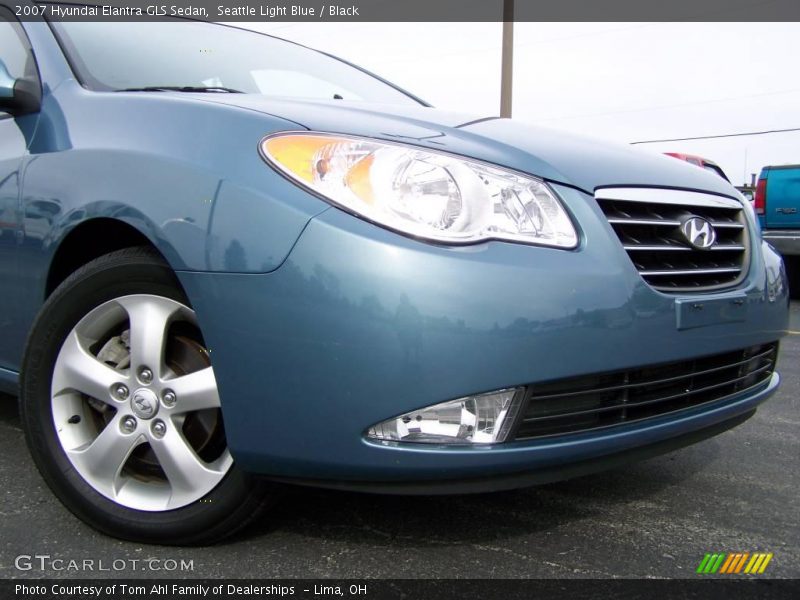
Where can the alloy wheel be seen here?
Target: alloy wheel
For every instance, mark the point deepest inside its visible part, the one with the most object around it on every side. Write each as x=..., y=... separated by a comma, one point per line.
x=135, y=404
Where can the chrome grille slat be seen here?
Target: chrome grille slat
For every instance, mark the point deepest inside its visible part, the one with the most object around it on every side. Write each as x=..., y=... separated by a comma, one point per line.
x=668, y=248
x=718, y=225
x=604, y=400
x=653, y=222
x=672, y=273
x=664, y=223
x=668, y=196
x=647, y=222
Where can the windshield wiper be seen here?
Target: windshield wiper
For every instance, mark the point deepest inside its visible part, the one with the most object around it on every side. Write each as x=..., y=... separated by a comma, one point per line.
x=183, y=88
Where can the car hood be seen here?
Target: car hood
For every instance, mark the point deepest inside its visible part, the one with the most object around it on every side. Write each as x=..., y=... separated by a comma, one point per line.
x=553, y=155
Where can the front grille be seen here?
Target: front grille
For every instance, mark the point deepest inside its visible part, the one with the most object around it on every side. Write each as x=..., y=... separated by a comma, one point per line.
x=593, y=401
x=648, y=223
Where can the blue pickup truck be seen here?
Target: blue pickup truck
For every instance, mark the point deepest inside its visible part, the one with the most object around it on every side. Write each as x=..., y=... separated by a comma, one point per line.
x=777, y=205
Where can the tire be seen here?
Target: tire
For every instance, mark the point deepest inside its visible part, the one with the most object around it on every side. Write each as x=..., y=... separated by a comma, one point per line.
x=793, y=274
x=120, y=408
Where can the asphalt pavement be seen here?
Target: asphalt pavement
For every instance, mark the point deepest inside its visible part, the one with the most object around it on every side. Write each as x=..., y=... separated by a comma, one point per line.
x=737, y=492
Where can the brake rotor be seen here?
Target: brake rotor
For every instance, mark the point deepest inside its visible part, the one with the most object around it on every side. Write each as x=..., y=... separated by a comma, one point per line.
x=202, y=429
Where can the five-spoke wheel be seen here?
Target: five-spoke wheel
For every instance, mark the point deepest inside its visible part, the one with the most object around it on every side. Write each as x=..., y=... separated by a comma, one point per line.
x=134, y=419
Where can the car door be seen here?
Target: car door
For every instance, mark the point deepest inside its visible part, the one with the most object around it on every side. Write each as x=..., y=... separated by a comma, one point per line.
x=15, y=133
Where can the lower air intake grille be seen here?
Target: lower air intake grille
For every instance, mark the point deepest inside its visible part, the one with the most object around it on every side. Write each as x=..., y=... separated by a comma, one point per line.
x=679, y=241
x=594, y=401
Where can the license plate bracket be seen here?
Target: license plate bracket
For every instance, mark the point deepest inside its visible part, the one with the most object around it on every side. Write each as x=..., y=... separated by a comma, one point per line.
x=702, y=312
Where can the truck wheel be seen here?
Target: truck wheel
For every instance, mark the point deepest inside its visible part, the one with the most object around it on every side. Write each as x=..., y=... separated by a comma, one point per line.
x=121, y=412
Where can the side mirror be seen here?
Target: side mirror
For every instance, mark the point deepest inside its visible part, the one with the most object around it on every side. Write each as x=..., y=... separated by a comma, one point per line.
x=18, y=96
x=6, y=83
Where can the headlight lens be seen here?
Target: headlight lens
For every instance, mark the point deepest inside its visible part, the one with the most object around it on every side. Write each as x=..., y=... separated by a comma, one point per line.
x=480, y=419
x=425, y=194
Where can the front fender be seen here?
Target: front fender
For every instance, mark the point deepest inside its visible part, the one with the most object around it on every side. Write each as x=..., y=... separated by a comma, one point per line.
x=186, y=174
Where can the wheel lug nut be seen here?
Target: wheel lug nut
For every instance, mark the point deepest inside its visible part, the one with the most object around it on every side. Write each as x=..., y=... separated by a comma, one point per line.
x=169, y=398
x=128, y=424
x=159, y=428
x=121, y=391
x=145, y=375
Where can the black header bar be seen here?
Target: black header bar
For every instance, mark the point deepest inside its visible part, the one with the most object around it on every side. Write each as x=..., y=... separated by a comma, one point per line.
x=412, y=10
x=380, y=589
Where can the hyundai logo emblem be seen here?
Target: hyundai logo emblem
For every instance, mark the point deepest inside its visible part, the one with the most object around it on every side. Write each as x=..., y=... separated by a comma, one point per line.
x=699, y=233
x=144, y=403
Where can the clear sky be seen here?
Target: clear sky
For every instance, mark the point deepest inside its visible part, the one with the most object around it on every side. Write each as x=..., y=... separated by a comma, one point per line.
x=623, y=81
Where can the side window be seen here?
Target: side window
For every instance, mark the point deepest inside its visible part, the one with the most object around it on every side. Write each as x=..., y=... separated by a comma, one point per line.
x=13, y=50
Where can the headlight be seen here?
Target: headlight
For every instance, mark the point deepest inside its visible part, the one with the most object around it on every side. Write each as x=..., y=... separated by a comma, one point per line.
x=481, y=419
x=422, y=193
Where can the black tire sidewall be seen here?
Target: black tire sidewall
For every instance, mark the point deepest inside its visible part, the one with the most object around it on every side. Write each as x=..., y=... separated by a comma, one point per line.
x=92, y=286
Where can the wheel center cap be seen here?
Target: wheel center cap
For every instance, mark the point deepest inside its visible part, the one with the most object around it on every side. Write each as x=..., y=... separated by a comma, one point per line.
x=144, y=403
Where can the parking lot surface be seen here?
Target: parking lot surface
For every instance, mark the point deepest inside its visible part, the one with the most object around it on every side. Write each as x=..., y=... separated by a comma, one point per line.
x=737, y=492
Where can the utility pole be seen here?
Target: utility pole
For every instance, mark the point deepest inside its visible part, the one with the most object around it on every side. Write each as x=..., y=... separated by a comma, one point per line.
x=507, y=67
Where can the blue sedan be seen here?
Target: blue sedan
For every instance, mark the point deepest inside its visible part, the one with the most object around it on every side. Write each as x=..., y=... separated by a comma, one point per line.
x=228, y=261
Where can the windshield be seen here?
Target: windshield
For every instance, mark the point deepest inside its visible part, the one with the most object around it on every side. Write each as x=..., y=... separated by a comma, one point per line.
x=198, y=56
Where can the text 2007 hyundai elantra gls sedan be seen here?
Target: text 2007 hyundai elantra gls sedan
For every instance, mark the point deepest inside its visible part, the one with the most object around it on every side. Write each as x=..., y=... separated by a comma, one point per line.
x=393, y=298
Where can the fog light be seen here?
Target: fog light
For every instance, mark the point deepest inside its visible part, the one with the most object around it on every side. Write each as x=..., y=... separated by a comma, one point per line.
x=481, y=419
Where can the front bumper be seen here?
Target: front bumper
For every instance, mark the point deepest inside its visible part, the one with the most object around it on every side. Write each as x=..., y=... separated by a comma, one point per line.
x=361, y=324
x=540, y=473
